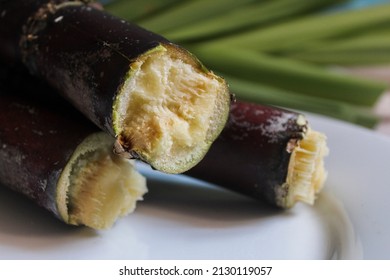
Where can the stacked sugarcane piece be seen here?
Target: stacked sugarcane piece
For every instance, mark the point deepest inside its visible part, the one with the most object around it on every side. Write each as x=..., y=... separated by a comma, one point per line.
x=104, y=67
x=283, y=52
x=50, y=153
x=138, y=97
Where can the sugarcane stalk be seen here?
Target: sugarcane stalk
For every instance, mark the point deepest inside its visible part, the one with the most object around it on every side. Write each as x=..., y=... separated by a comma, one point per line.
x=245, y=17
x=264, y=152
x=51, y=154
x=255, y=92
x=138, y=9
x=269, y=154
x=291, y=75
x=350, y=59
x=297, y=33
x=160, y=103
x=188, y=12
x=367, y=49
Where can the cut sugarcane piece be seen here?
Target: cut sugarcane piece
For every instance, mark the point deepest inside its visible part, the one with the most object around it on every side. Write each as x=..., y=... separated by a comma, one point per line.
x=97, y=187
x=267, y=153
x=150, y=94
x=54, y=156
x=172, y=109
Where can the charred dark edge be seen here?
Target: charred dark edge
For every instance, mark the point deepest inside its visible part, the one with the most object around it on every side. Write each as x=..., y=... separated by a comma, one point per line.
x=37, y=137
x=248, y=160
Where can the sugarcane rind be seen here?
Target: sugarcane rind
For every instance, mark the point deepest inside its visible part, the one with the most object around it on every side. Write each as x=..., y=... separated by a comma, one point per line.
x=169, y=109
x=96, y=187
x=36, y=23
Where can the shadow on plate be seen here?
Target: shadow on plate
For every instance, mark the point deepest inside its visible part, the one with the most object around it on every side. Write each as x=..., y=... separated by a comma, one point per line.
x=20, y=216
x=171, y=194
x=196, y=199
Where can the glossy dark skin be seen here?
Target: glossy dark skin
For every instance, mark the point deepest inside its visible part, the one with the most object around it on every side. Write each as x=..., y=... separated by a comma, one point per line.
x=250, y=156
x=87, y=65
x=246, y=157
x=83, y=52
x=88, y=55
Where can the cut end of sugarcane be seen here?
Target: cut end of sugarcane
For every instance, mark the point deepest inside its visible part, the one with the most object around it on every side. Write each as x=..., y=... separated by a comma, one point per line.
x=169, y=110
x=97, y=187
x=306, y=171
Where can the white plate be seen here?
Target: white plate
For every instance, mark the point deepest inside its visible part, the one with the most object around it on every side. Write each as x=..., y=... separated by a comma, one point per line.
x=186, y=219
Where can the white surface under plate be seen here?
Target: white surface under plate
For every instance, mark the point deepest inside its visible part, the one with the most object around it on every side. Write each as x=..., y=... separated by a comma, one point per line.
x=185, y=219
